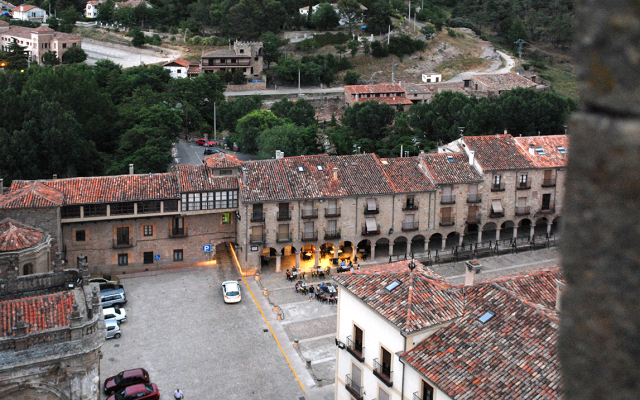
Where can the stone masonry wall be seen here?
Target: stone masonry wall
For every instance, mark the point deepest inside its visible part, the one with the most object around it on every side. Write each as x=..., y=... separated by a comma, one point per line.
x=247, y=86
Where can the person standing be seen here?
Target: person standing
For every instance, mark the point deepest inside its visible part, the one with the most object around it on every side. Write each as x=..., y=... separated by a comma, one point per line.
x=311, y=290
x=178, y=395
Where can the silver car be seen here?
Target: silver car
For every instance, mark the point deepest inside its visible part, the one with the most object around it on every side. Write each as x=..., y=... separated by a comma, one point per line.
x=113, y=329
x=115, y=313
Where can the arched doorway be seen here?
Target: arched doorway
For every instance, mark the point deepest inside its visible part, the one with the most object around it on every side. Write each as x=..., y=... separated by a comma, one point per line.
x=400, y=246
x=524, y=228
x=470, y=234
x=327, y=253
x=506, y=230
x=453, y=239
x=489, y=232
x=435, y=242
x=288, y=257
x=556, y=226
x=417, y=244
x=382, y=248
x=307, y=257
x=541, y=227
x=268, y=259
x=364, y=250
x=345, y=250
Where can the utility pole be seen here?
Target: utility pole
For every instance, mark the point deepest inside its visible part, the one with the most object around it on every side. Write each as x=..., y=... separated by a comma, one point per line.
x=299, y=91
x=389, y=35
x=393, y=70
x=215, y=132
x=520, y=42
x=409, y=11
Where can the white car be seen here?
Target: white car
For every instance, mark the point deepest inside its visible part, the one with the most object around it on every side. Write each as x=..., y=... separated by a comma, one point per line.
x=113, y=329
x=231, y=292
x=115, y=314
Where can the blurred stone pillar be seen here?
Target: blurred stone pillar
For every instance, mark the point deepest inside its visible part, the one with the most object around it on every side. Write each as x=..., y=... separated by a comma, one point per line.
x=599, y=344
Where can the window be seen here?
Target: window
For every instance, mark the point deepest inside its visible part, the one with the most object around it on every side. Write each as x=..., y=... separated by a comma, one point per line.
x=122, y=236
x=80, y=236
x=226, y=172
x=148, y=230
x=523, y=179
x=496, y=179
x=123, y=259
x=177, y=227
x=193, y=201
x=539, y=151
x=209, y=200
x=146, y=207
x=332, y=227
x=382, y=395
x=122, y=208
x=546, y=201
x=179, y=71
x=393, y=285
x=95, y=210
x=27, y=269
x=427, y=391
x=562, y=150
x=177, y=255
x=148, y=257
x=410, y=201
x=486, y=316
x=170, y=205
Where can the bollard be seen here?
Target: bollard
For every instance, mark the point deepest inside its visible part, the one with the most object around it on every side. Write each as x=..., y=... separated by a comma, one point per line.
x=257, y=276
x=295, y=343
x=266, y=292
x=308, y=363
x=279, y=317
x=275, y=309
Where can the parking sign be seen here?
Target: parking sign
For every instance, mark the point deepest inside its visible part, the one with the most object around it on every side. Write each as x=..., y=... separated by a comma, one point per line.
x=157, y=257
x=206, y=248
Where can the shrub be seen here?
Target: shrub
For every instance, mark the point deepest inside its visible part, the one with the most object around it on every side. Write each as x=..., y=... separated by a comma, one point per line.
x=379, y=49
x=351, y=78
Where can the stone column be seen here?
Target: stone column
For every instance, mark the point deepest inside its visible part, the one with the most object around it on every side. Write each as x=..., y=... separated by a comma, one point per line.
x=479, y=235
x=548, y=229
x=532, y=231
x=515, y=231
x=600, y=324
x=373, y=251
x=497, y=233
x=461, y=239
x=444, y=242
x=426, y=245
x=298, y=259
x=317, y=256
x=278, y=263
x=390, y=249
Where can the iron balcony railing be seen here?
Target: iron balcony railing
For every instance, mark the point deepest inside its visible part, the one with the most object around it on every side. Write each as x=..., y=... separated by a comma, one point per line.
x=332, y=234
x=122, y=243
x=259, y=238
x=282, y=237
x=410, y=226
x=383, y=372
x=495, y=214
x=283, y=215
x=548, y=210
x=366, y=231
x=549, y=182
x=450, y=199
x=355, y=349
x=416, y=396
x=524, y=185
x=332, y=212
x=310, y=213
x=497, y=187
x=523, y=210
x=367, y=211
x=447, y=221
x=352, y=387
x=474, y=198
x=309, y=236
x=257, y=216
x=410, y=207
x=178, y=232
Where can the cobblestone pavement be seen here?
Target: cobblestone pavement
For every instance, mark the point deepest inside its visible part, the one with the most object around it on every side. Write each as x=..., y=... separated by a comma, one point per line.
x=313, y=324
x=180, y=330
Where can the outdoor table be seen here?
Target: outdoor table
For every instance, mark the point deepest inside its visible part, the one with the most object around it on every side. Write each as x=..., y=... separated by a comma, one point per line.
x=331, y=289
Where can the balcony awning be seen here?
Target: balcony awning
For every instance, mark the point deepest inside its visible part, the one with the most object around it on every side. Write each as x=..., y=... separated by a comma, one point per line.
x=371, y=225
x=371, y=204
x=496, y=206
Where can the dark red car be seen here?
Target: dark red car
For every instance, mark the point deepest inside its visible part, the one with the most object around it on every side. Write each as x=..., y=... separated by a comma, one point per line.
x=124, y=379
x=201, y=142
x=142, y=391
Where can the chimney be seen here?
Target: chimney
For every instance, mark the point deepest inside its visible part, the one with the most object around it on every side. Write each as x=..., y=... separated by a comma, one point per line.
x=130, y=169
x=55, y=176
x=279, y=155
x=531, y=149
x=473, y=268
x=244, y=176
x=534, y=77
x=472, y=156
x=335, y=173
x=421, y=151
x=559, y=290
x=21, y=8
x=400, y=83
x=505, y=131
x=1, y=186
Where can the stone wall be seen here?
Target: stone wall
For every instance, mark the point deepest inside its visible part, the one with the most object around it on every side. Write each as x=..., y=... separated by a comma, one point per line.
x=599, y=344
x=247, y=86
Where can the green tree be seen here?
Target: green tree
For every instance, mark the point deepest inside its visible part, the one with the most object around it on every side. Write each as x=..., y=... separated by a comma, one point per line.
x=250, y=126
x=341, y=49
x=369, y=122
x=50, y=58
x=106, y=12
x=516, y=31
x=428, y=31
x=378, y=20
x=16, y=57
x=239, y=77
x=353, y=45
x=350, y=12
x=351, y=78
x=125, y=15
x=54, y=23
x=74, y=55
x=366, y=47
x=271, y=47
x=300, y=112
x=137, y=37
x=292, y=139
x=325, y=17
x=68, y=19
x=379, y=49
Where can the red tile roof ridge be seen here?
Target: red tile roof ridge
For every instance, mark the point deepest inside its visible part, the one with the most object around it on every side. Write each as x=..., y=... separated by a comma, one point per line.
x=409, y=303
x=521, y=275
x=31, y=194
x=15, y=235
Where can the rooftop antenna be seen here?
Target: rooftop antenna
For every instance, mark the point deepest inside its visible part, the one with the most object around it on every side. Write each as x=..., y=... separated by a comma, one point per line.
x=520, y=43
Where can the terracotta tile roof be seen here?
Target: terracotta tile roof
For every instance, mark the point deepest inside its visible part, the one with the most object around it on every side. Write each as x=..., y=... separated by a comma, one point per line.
x=179, y=61
x=225, y=53
x=43, y=29
x=388, y=100
x=193, y=69
x=507, y=81
x=272, y=180
x=222, y=160
x=32, y=195
x=405, y=175
x=23, y=7
x=132, y=3
x=445, y=172
x=197, y=178
x=412, y=88
x=379, y=88
x=552, y=157
x=497, y=152
x=39, y=312
x=4, y=23
x=25, y=33
x=438, y=87
x=65, y=36
x=110, y=189
x=510, y=356
x=422, y=298
x=17, y=236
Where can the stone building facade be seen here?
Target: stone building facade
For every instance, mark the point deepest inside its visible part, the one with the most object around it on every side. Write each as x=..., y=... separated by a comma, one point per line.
x=50, y=343
x=245, y=55
x=38, y=41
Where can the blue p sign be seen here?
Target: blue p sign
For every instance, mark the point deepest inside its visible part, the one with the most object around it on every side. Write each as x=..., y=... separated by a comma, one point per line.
x=206, y=248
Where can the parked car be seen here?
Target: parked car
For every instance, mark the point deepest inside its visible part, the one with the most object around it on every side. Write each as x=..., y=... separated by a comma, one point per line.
x=201, y=142
x=103, y=279
x=231, y=292
x=113, y=329
x=141, y=391
x=112, y=297
x=210, y=144
x=124, y=379
x=115, y=313
x=211, y=150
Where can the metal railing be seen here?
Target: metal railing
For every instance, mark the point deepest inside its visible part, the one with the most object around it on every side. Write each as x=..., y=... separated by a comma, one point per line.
x=332, y=212
x=447, y=221
x=474, y=198
x=121, y=244
x=497, y=187
x=410, y=207
x=283, y=215
x=309, y=236
x=416, y=397
x=178, y=232
x=366, y=231
x=410, y=226
x=284, y=237
x=549, y=210
x=310, y=213
x=524, y=185
x=355, y=349
x=367, y=211
x=523, y=210
x=494, y=214
x=333, y=234
x=549, y=182
x=352, y=387
x=383, y=372
x=257, y=216
x=451, y=199
x=259, y=238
